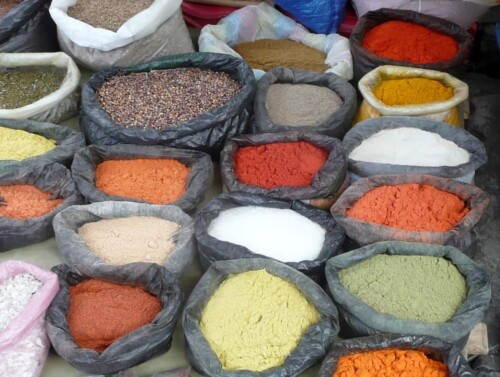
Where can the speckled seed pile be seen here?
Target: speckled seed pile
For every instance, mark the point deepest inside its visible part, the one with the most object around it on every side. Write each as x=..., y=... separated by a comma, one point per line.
x=159, y=99
x=6, y=5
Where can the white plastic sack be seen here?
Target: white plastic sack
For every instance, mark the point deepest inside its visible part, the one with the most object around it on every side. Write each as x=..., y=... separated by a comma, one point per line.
x=57, y=106
x=264, y=22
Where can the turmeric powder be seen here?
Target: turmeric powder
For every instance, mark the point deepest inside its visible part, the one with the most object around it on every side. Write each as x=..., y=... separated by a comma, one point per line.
x=390, y=363
x=412, y=91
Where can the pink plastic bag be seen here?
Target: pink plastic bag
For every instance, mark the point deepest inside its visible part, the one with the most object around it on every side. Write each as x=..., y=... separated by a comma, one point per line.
x=24, y=344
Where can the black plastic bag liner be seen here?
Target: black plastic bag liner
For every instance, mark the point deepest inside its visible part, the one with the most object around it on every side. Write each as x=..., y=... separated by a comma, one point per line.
x=77, y=253
x=365, y=60
x=335, y=125
x=326, y=183
x=28, y=27
x=53, y=178
x=87, y=159
x=206, y=132
x=434, y=348
x=460, y=137
x=212, y=250
x=360, y=319
x=131, y=349
x=365, y=233
x=311, y=348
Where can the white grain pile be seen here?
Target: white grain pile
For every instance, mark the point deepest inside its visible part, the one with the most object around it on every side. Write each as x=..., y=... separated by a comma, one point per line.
x=280, y=234
x=410, y=146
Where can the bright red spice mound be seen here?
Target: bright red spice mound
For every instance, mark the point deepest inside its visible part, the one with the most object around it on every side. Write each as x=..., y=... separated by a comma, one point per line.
x=409, y=42
x=279, y=164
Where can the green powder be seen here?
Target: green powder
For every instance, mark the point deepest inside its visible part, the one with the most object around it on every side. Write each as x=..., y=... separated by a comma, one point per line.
x=422, y=288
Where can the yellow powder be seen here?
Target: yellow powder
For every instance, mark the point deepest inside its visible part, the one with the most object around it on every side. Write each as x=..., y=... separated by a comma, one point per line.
x=412, y=91
x=19, y=145
x=254, y=320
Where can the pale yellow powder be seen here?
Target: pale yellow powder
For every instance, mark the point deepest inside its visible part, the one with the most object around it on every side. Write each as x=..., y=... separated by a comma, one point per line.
x=19, y=145
x=255, y=320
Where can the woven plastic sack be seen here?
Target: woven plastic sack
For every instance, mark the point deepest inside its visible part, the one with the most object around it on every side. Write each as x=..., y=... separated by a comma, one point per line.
x=365, y=60
x=311, y=348
x=206, y=132
x=264, y=22
x=450, y=111
x=335, y=125
x=197, y=186
x=132, y=349
x=211, y=249
x=24, y=344
x=77, y=253
x=53, y=178
x=434, y=348
x=365, y=233
x=463, y=139
x=155, y=32
x=359, y=319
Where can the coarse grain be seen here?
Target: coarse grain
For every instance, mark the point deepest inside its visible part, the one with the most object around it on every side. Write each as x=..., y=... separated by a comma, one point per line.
x=7, y=5
x=19, y=145
x=163, y=98
x=25, y=202
x=107, y=14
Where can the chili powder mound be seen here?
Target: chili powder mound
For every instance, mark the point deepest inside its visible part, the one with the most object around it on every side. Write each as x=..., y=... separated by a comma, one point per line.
x=101, y=312
x=279, y=164
x=410, y=206
x=409, y=42
x=156, y=180
x=22, y=202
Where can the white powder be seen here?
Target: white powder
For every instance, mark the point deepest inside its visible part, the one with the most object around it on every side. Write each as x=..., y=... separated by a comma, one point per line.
x=410, y=146
x=281, y=234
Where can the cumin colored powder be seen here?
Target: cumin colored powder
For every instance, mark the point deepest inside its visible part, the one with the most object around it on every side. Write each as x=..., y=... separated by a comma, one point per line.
x=412, y=91
x=19, y=145
x=255, y=320
x=410, y=206
x=22, y=202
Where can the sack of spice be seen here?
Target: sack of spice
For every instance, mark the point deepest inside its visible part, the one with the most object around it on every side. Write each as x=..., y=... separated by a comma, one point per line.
x=238, y=225
x=30, y=197
x=289, y=100
x=119, y=233
x=412, y=208
x=114, y=318
x=144, y=174
x=26, y=26
x=258, y=317
x=415, y=355
x=40, y=87
x=268, y=39
x=406, y=91
x=199, y=100
x=404, y=145
x=286, y=165
x=101, y=34
x=407, y=38
x=26, y=292
x=408, y=288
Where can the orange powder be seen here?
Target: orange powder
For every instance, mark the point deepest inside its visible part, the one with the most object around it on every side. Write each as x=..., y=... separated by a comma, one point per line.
x=25, y=202
x=410, y=206
x=390, y=363
x=156, y=180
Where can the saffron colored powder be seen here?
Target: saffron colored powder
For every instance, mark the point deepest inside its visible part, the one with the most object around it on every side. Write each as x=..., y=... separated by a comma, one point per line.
x=25, y=202
x=279, y=164
x=410, y=206
x=409, y=42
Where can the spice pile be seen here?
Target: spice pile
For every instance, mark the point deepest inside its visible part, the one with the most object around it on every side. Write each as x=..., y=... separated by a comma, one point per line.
x=19, y=145
x=254, y=320
x=155, y=180
x=414, y=287
x=301, y=104
x=281, y=234
x=279, y=164
x=412, y=91
x=7, y=5
x=159, y=99
x=22, y=202
x=266, y=54
x=130, y=239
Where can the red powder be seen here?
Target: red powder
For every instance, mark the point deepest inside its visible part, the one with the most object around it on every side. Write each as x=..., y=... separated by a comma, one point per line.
x=25, y=202
x=409, y=42
x=410, y=206
x=101, y=312
x=279, y=164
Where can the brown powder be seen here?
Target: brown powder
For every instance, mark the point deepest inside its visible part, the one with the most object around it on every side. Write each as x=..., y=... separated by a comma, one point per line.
x=25, y=202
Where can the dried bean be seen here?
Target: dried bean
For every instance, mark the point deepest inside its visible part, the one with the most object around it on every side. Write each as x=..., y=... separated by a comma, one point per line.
x=7, y=5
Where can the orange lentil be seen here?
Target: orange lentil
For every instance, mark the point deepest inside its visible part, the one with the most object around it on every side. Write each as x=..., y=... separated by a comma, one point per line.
x=25, y=202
